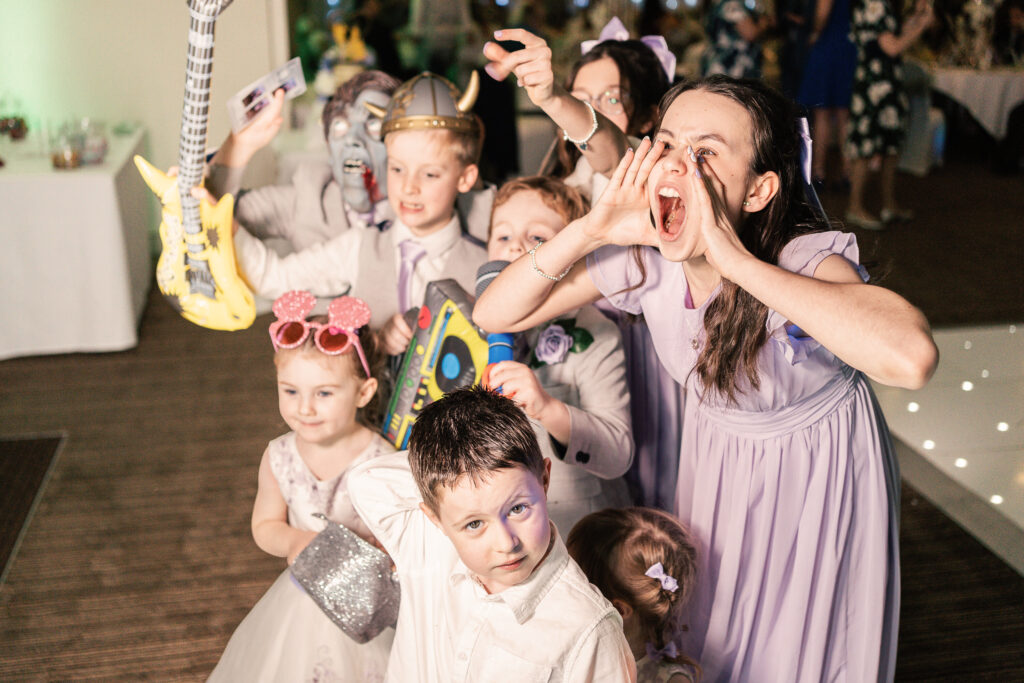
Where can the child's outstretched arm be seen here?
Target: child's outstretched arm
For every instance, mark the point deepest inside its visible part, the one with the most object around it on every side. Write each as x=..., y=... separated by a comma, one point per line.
x=521, y=297
x=532, y=67
x=270, y=526
x=325, y=269
x=237, y=150
x=869, y=328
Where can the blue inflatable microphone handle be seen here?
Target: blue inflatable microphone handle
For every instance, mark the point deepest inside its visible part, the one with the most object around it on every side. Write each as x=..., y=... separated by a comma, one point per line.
x=499, y=347
x=499, y=344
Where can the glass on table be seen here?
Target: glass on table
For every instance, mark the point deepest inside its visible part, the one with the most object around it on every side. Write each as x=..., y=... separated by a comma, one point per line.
x=66, y=145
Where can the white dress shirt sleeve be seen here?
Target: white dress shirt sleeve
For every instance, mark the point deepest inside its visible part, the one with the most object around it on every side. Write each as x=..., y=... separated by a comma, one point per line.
x=602, y=656
x=387, y=499
x=268, y=211
x=326, y=269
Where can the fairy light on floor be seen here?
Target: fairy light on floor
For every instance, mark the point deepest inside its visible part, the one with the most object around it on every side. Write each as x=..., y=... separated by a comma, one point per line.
x=1003, y=427
x=967, y=385
x=960, y=462
x=913, y=407
x=928, y=445
x=996, y=499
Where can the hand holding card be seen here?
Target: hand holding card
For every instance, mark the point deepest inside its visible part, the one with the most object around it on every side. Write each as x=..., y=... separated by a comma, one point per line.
x=253, y=98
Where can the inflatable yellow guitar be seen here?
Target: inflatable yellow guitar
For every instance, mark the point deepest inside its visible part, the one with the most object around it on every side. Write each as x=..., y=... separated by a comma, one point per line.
x=196, y=271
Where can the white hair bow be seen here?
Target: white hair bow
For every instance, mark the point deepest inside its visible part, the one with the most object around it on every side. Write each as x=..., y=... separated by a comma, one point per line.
x=657, y=571
x=616, y=30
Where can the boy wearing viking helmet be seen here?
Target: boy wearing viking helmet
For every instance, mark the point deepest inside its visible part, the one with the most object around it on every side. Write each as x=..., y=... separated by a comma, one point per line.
x=433, y=144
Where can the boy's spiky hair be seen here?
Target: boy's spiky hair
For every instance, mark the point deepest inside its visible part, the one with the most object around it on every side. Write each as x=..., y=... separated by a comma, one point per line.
x=470, y=432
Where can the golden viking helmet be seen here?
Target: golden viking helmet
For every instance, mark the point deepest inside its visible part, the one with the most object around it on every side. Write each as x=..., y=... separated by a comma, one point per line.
x=430, y=102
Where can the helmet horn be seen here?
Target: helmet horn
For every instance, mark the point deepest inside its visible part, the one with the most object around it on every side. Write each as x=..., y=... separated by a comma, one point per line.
x=379, y=112
x=468, y=98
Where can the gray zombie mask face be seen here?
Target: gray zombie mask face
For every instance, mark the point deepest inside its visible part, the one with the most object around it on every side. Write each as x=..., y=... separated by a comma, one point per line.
x=358, y=155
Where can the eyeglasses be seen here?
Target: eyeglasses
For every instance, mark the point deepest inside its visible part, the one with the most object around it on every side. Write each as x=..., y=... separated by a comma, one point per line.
x=345, y=316
x=611, y=102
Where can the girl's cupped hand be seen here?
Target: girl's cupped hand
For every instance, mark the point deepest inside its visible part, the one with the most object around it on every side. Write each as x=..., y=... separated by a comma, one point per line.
x=623, y=213
x=724, y=248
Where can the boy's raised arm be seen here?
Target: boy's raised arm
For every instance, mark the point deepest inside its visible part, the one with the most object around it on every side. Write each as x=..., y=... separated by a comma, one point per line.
x=386, y=498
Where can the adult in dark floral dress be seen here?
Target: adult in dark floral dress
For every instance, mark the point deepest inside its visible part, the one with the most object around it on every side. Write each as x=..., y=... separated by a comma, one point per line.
x=734, y=29
x=878, y=105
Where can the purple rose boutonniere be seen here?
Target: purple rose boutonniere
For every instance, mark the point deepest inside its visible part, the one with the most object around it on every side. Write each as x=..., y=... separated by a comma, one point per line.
x=557, y=340
x=552, y=345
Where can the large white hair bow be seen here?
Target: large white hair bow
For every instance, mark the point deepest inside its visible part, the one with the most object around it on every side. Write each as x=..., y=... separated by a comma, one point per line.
x=616, y=30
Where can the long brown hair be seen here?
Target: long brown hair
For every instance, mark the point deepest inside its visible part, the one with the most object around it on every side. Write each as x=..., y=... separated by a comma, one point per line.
x=616, y=547
x=735, y=321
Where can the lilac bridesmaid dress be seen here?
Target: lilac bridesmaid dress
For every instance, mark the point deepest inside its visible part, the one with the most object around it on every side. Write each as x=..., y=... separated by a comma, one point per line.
x=792, y=494
x=656, y=407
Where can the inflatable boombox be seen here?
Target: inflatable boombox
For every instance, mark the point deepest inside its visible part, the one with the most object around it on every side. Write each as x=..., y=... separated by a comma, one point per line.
x=446, y=352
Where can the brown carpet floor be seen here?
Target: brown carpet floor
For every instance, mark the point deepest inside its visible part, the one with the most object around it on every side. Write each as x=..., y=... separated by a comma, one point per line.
x=960, y=259
x=139, y=563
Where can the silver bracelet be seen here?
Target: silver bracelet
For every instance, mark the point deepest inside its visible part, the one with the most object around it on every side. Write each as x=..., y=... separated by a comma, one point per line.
x=582, y=143
x=536, y=269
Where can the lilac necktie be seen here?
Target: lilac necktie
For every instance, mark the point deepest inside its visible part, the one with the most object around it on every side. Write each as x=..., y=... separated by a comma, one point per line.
x=412, y=252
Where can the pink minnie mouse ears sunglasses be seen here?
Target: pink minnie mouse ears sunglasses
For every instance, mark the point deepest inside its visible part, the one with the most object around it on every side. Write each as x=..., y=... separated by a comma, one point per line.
x=345, y=316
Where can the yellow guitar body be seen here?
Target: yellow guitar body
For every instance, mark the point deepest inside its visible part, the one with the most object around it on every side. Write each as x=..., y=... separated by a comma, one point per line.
x=232, y=306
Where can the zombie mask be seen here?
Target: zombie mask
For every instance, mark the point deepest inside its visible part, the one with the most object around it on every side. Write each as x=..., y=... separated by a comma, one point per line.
x=358, y=156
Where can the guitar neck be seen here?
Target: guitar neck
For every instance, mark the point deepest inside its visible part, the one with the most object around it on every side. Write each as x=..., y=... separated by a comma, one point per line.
x=196, y=108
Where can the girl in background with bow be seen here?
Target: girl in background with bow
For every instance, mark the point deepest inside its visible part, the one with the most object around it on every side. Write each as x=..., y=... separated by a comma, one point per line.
x=616, y=84
x=612, y=90
x=645, y=563
x=327, y=370
x=787, y=475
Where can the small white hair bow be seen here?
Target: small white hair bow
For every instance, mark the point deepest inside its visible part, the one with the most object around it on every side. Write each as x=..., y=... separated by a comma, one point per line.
x=670, y=651
x=657, y=571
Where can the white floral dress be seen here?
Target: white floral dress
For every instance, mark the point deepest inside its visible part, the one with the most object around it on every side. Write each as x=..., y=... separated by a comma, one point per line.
x=878, y=105
x=286, y=636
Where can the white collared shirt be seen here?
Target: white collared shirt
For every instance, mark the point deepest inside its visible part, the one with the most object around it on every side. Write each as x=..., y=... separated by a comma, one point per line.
x=331, y=268
x=554, y=626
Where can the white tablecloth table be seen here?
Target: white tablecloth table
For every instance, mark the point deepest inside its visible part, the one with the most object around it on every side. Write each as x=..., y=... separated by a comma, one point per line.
x=75, y=266
x=989, y=95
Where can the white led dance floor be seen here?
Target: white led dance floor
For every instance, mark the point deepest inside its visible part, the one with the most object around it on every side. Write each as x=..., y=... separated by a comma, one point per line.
x=962, y=436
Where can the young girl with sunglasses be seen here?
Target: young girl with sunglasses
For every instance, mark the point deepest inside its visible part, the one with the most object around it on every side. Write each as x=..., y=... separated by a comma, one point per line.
x=327, y=383
x=787, y=476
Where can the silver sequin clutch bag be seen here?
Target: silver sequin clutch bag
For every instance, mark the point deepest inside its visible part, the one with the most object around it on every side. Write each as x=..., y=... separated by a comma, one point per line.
x=350, y=580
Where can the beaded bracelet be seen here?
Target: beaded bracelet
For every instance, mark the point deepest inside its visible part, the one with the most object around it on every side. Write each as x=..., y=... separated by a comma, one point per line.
x=582, y=143
x=536, y=268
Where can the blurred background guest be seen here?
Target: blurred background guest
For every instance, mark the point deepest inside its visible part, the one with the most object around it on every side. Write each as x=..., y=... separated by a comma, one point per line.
x=878, y=104
x=827, y=83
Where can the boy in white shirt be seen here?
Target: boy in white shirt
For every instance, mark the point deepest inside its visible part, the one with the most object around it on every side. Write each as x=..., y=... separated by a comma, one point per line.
x=433, y=143
x=489, y=592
